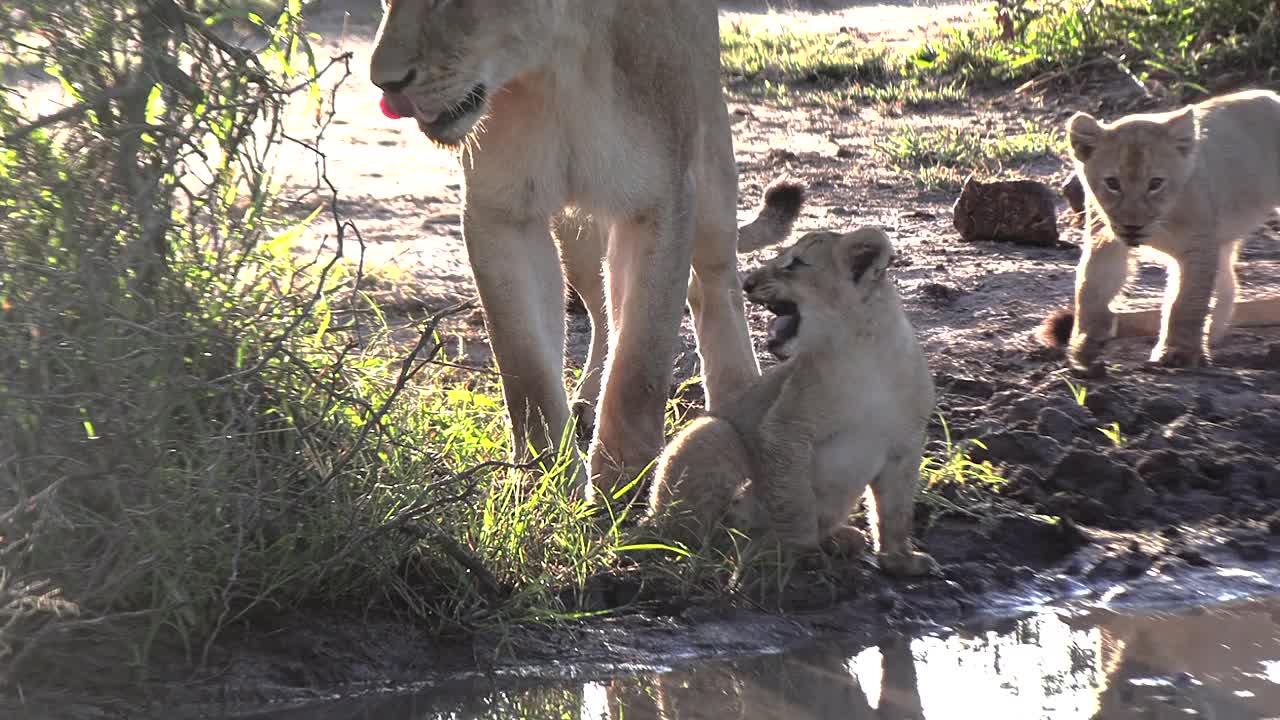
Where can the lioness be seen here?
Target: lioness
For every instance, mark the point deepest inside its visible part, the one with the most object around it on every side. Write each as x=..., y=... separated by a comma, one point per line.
x=1188, y=184
x=614, y=107
x=793, y=453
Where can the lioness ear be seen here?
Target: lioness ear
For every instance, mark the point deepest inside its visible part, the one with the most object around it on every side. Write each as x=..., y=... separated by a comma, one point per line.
x=1084, y=131
x=867, y=252
x=1184, y=130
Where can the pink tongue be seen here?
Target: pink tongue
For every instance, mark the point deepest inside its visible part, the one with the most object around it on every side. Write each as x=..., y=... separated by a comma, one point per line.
x=396, y=106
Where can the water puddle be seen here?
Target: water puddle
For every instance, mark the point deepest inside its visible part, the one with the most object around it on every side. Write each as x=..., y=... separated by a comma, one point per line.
x=1221, y=663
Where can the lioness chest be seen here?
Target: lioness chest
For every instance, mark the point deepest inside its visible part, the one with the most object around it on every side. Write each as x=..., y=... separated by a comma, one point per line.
x=550, y=143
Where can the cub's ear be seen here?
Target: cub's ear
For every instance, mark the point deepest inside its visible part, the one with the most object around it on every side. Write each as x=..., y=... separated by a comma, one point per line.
x=1083, y=130
x=866, y=253
x=1184, y=130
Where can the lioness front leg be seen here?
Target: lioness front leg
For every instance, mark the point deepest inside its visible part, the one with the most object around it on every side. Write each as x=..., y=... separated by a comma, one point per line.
x=715, y=295
x=648, y=261
x=893, y=493
x=1184, y=333
x=524, y=311
x=1100, y=275
x=582, y=249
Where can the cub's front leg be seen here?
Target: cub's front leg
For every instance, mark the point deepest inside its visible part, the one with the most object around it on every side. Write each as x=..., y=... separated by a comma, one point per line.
x=894, y=493
x=1184, y=331
x=1100, y=275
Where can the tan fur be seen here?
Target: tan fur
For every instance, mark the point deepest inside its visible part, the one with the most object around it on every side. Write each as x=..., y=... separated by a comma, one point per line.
x=793, y=453
x=1188, y=185
x=613, y=107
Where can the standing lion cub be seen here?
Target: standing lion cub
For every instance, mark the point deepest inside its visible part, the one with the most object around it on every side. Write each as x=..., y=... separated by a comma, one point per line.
x=792, y=454
x=1188, y=184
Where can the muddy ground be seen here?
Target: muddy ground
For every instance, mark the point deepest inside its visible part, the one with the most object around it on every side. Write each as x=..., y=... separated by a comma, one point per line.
x=1183, y=510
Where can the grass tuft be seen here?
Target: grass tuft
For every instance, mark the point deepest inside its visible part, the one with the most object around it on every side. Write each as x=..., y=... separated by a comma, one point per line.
x=941, y=157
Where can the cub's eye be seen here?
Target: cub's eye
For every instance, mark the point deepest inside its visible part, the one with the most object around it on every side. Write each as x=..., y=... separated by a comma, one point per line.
x=1155, y=184
x=1112, y=183
x=795, y=263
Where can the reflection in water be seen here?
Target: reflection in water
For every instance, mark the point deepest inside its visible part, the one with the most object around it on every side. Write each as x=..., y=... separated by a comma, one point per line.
x=1222, y=664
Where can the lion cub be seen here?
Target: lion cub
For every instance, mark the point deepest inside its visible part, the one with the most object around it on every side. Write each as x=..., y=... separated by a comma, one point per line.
x=792, y=454
x=1188, y=184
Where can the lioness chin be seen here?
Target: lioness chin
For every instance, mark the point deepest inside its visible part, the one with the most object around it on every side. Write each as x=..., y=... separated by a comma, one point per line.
x=792, y=454
x=1188, y=184
x=613, y=107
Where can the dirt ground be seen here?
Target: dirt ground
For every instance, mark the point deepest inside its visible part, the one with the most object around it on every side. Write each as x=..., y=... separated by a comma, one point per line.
x=1185, y=507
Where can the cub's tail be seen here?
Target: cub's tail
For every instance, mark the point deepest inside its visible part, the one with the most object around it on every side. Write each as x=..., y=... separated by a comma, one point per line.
x=1056, y=329
x=780, y=206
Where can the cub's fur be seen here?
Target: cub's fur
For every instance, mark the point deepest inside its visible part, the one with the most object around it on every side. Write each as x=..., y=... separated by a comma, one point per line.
x=794, y=452
x=613, y=107
x=1188, y=184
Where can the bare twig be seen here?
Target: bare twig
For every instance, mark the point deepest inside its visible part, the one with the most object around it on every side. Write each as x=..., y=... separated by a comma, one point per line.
x=74, y=111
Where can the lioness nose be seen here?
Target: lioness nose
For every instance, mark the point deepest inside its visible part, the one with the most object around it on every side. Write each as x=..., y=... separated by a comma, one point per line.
x=394, y=86
x=749, y=284
x=1133, y=229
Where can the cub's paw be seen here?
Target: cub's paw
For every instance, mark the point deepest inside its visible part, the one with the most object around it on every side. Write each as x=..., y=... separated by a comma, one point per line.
x=1172, y=357
x=1085, y=358
x=912, y=564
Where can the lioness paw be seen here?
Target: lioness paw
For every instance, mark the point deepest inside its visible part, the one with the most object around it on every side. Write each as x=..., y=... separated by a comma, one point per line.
x=911, y=564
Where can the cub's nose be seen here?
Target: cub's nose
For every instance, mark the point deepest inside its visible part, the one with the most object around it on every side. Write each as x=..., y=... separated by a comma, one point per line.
x=1133, y=230
x=394, y=86
x=749, y=284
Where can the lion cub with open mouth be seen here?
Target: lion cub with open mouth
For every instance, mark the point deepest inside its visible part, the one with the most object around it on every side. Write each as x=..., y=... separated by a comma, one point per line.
x=792, y=454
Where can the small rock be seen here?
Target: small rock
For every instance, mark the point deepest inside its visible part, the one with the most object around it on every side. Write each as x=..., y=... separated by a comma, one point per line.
x=1056, y=424
x=1273, y=524
x=1073, y=191
x=845, y=152
x=1017, y=211
x=1162, y=409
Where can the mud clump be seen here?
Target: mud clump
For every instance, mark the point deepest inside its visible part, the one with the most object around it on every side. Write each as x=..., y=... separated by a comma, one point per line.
x=1093, y=475
x=1167, y=470
x=1019, y=446
x=1057, y=424
x=1021, y=212
x=1162, y=409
